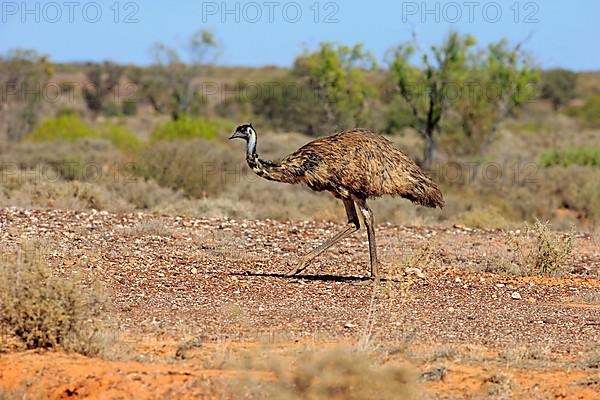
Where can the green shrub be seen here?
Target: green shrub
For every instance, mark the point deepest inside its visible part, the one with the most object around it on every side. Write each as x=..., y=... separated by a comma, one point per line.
x=47, y=311
x=558, y=86
x=586, y=156
x=69, y=127
x=589, y=113
x=120, y=137
x=129, y=107
x=112, y=109
x=63, y=128
x=186, y=128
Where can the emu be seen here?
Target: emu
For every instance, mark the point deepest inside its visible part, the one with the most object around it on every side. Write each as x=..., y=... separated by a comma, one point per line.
x=353, y=165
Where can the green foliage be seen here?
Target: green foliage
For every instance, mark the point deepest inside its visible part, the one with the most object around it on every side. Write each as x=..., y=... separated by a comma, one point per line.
x=112, y=109
x=589, y=113
x=558, y=86
x=69, y=127
x=188, y=128
x=425, y=90
x=505, y=82
x=120, y=137
x=334, y=85
x=22, y=69
x=585, y=156
x=130, y=107
x=66, y=127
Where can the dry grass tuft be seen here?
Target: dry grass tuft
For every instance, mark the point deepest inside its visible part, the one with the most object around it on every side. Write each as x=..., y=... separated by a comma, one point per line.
x=540, y=251
x=546, y=252
x=47, y=311
x=338, y=373
x=498, y=386
x=520, y=356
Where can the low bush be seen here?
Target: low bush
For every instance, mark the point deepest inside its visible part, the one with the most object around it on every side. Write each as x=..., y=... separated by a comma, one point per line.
x=120, y=137
x=589, y=113
x=47, y=311
x=545, y=252
x=188, y=128
x=338, y=373
x=586, y=156
x=69, y=127
x=199, y=168
x=63, y=128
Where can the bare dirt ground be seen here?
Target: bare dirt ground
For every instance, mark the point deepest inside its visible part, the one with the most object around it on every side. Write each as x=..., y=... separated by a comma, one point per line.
x=465, y=332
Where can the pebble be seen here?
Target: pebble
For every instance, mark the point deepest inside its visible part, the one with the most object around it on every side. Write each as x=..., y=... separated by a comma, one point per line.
x=349, y=325
x=415, y=271
x=515, y=296
x=194, y=270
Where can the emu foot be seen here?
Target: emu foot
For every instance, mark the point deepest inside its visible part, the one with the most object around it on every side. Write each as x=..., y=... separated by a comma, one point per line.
x=301, y=266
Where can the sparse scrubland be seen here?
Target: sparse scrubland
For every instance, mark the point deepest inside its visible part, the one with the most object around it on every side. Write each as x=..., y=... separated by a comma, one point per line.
x=134, y=234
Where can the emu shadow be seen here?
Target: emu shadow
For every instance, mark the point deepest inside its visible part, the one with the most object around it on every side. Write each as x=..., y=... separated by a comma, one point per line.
x=320, y=277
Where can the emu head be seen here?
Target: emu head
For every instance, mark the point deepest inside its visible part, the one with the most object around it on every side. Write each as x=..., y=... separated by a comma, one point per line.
x=246, y=132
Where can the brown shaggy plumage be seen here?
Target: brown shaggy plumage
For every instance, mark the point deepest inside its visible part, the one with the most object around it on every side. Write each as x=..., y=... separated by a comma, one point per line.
x=353, y=165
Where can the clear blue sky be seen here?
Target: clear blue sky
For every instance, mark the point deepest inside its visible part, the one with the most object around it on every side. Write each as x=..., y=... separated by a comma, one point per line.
x=564, y=33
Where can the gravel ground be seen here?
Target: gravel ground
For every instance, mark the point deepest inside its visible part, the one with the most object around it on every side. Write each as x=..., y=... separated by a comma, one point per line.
x=219, y=278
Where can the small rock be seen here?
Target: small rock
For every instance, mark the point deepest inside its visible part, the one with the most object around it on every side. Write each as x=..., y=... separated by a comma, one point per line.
x=415, y=271
x=515, y=296
x=349, y=325
x=261, y=308
x=499, y=285
x=194, y=270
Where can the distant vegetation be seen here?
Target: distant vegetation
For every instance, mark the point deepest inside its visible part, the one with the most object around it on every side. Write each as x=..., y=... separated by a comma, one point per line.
x=187, y=128
x=588, y=113
x=588, y=156
x=122, y=137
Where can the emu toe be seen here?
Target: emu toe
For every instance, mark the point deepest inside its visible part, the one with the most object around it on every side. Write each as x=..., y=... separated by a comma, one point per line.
x=301, y=266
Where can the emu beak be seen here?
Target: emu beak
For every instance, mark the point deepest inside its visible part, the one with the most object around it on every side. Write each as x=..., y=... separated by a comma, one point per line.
x=236, y=135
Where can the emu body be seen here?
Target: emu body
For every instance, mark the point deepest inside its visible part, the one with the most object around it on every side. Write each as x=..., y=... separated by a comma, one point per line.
x=354, y=165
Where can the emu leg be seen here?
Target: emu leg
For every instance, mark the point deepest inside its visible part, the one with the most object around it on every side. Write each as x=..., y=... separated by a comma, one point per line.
x=353, y=226
x=370, y=223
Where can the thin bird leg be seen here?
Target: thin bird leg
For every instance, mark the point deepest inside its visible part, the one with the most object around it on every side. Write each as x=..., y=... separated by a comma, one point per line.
x=353, y=226
x=370, y=223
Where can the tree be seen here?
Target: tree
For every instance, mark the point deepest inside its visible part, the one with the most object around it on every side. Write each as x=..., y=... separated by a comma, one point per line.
x=169, y=83
x=504, y=80
x=558, y=86
x=334, y=79
x=426, y=89
x=476, y=89
x=103, y=80
x=24, y=75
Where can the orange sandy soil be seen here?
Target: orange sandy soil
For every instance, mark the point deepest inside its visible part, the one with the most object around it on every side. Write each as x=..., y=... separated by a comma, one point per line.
x=59, y=375
x=220, y=281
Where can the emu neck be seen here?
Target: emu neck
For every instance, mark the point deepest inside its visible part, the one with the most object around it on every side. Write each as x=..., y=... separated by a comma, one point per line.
x=251, y=148
x=267, y=169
